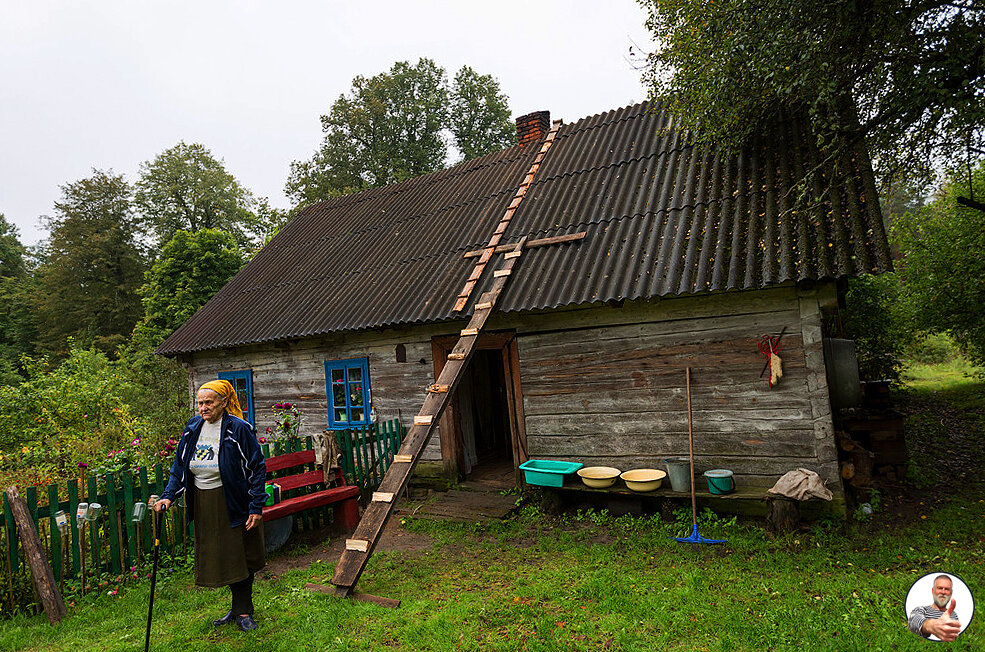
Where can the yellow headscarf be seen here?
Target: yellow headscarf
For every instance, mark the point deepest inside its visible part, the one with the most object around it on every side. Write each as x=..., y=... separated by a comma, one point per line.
x=225, y=389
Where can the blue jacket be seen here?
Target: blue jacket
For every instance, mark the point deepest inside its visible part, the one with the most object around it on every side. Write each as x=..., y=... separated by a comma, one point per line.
x=241, y=468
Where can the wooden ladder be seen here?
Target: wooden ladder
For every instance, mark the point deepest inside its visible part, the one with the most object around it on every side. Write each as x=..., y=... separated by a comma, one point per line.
x=359, y=548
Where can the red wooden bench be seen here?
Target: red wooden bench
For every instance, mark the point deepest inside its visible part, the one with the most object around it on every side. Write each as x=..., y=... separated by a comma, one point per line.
x=345, y=497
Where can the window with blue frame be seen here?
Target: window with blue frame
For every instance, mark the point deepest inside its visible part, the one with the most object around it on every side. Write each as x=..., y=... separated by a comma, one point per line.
x=243, y=383
x=347, y=385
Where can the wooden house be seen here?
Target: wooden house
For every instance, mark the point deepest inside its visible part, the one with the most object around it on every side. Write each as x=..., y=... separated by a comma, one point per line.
x=681, y=257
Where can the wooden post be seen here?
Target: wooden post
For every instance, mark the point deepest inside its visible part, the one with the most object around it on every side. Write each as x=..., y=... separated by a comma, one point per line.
x=784, y=514
x=44, y=580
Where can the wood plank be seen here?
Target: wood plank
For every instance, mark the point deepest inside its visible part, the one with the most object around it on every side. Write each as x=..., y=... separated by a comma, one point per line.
x=796, y=443
x=357, y=545
x=383, y=496
x=390, y=603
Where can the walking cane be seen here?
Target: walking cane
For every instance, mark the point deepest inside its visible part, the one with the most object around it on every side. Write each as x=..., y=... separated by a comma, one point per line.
x=158, y=521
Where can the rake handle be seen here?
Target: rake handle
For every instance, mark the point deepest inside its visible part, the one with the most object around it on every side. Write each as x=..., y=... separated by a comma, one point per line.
x=690, y=446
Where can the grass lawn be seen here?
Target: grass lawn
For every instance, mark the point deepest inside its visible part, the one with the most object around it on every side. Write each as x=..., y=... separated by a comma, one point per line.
x=590, y=581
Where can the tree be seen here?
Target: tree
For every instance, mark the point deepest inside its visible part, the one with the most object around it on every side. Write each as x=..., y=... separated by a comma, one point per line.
x=93, y=265
x=908, y=77
x=187, y=188
x=942, y=269
x=16, y=303
x=191, y=268
x=480, y=115
x=397, y=125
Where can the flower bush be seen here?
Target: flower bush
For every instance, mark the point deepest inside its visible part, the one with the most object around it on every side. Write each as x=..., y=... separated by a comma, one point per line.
x=287, y=423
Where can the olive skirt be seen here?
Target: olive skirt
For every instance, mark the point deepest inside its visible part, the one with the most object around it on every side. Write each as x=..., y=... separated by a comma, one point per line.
x=223, y=555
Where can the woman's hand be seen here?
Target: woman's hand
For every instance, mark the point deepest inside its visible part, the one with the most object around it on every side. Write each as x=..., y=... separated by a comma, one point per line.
x=253, y=520
x=162, y=504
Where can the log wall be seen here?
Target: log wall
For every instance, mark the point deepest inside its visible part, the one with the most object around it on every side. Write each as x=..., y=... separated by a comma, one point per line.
x=614, y=394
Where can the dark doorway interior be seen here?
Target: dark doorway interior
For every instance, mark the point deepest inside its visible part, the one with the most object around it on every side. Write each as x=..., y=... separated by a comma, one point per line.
x=484, y=414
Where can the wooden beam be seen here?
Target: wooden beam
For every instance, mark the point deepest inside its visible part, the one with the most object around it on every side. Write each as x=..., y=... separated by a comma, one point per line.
x=44, y=579
x=390, y=603
x=543, y=242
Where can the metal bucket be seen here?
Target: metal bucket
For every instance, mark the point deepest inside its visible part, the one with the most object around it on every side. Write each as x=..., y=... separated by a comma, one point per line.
x=679, y=472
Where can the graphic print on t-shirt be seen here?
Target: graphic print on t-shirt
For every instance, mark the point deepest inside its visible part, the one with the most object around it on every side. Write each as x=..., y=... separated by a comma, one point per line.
x=204, y=453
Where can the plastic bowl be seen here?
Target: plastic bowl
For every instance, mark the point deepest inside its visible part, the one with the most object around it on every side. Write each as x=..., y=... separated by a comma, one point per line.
x=598, y=477
x=643, y=479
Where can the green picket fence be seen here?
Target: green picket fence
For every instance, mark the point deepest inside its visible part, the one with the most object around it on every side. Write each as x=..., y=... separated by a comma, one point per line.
x=114, y=543
x=367, y=451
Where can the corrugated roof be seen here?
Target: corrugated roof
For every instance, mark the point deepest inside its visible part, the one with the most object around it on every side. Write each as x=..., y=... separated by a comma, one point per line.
x=662, y=216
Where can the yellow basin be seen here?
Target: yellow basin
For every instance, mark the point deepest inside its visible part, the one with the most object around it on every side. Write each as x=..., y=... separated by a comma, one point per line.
x=644, y=479
x=598, y=477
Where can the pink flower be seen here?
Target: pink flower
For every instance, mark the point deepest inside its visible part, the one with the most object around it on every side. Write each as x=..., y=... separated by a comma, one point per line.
x=288, y=406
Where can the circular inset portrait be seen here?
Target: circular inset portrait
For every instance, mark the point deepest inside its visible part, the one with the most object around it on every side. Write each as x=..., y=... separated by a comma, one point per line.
x=939, y=606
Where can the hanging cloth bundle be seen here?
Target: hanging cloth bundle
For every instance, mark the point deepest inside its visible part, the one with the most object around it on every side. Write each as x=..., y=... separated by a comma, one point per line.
x=770, y=347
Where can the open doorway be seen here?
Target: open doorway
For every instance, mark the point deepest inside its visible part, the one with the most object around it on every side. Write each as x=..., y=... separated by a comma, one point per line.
x=482, y=435
x=484, y=418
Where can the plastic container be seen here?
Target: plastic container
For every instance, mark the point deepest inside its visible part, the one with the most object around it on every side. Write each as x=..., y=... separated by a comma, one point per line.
x=679, y=472
x=548, y=473
x=720, y=481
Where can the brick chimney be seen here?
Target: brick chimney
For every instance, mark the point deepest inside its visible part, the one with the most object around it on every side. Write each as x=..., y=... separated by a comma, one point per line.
x=532, y=128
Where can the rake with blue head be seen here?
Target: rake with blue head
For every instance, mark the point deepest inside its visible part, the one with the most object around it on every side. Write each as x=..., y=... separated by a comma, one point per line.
x=695, y=536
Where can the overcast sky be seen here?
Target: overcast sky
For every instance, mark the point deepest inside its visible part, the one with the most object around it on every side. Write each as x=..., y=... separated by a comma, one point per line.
x=109, y=84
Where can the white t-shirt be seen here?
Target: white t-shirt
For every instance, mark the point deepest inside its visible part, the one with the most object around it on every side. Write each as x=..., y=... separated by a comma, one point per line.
x=204, y=465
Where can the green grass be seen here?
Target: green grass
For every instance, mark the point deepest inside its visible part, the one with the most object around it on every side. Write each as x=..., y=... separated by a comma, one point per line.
x=589, y=583
x=957, y=374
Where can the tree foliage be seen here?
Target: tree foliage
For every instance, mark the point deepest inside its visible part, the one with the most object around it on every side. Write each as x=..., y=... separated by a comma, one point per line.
x=185, y=188
x=392, y=127
x=943, y=269
x=86, y=405
x=17, y=294
x=907, y=76
x=190, y=269
x=480, y=115
x=93, y=265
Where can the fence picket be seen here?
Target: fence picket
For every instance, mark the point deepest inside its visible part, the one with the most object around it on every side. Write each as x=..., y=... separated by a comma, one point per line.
x=73, y=507
x=113, y=531
x=93, y=497
x=11, y=536
x=131, y=531
x=56, y=539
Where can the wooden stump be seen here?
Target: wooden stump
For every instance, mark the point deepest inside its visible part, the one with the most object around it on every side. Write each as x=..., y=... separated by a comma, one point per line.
x=44, y=579
x=784, y=515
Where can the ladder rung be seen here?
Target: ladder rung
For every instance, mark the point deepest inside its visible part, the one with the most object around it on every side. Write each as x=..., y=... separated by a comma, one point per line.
x=424, y=420
x=382, y=496
x=438, y=389
x=499, y=273
x=469, y=331
x=456, y=356
x=483, y=305
x=406, y=459
x=513, y=254
x=358, y=545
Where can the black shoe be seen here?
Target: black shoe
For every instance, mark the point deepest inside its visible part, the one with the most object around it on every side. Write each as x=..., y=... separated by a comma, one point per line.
x=246, y=623
x=225, y=620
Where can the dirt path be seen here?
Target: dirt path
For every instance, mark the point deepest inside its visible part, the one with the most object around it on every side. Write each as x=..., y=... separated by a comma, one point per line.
x=321, y=546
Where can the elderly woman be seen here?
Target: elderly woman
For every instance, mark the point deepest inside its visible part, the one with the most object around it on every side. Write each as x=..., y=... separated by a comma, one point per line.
x=219, y=465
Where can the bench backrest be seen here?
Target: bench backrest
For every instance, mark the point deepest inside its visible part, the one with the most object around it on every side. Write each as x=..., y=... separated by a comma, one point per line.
x=303, y=479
